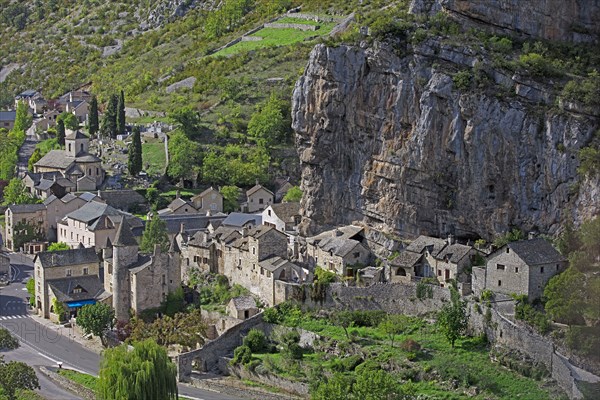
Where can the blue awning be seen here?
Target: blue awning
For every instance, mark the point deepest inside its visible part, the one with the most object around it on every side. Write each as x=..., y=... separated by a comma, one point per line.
x=75, y=304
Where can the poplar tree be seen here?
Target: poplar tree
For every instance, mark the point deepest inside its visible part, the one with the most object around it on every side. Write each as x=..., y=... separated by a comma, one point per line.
x=93, y=122
x=144, y=372
x=60, y=131
x=134, y=163
x=120, y=117
x=109, y=121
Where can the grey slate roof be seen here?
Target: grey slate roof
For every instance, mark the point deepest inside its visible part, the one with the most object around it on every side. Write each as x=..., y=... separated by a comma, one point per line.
x=274, y=263
x=455, y=252
x=244, y=302
x=536, y=251
x=238, y=220
x=406, y=259
x=121, y=198
x=420, y=243
x=87, y=196
x=255, y=189
x=93, y=210
x=286, y=211
x=64, y=258
x=85, y=158
x=8, y=115
x=124, y=236
x=26, y=208
x=192, y=223
x=76, y=135
x=56, y=159
x=344, y=241
x=91, y=286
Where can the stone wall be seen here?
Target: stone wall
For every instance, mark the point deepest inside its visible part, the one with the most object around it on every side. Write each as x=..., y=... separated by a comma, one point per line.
x=68, y=384
x=266, y=378
x=208, y=356
x=302, y=27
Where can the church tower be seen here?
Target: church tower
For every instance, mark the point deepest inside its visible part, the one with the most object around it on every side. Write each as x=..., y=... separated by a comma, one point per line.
x=76, y=143
x=125, y=253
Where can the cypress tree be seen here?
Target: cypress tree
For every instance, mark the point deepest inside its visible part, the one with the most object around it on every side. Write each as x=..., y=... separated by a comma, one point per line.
x=60, y=131
x=93, y=116
x=120, y=117
x=134, y=163
x=142, y=373
x=109, y=121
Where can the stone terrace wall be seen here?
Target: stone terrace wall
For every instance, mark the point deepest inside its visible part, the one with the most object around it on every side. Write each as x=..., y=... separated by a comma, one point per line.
x=302, y=27
x=208, y=356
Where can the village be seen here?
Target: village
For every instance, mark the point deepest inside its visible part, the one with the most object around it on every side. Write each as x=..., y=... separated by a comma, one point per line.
x=256, y=250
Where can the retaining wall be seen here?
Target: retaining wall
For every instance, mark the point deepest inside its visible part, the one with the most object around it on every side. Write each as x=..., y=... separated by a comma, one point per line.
x=302, y=27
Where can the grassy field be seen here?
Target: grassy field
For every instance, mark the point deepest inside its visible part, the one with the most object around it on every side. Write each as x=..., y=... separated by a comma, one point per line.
x=436, y=369
x=272, y=37
x=153, y=156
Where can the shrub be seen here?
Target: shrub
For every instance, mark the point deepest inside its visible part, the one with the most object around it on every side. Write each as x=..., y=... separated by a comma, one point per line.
x=500, y=45
x=7, y=341
x=462, y=80
x=241, y=355
x=424, y=291
x=346, y=364
x=256, y=341
x=410, y=345
x=271, y=315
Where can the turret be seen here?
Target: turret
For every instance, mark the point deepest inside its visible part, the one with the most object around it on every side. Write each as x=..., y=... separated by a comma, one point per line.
x=125, y=253
x=76, y=143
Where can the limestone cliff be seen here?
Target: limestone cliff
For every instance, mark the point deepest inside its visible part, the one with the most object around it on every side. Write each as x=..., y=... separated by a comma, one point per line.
x=391, y=141
x=564, y=20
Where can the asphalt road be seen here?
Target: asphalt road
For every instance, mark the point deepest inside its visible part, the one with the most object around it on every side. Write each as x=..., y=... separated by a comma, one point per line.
x=46, y=344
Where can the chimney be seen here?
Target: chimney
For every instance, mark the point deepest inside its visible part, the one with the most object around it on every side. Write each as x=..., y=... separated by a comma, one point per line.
x=54, y=178
x=336, y=232
x=177, y=194
x=245, y=230
x=182, y=228
x=208, y=213
x=450, y=239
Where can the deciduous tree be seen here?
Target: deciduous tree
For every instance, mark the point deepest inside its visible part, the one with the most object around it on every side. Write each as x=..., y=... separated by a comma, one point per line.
x=294, y=194
x=16, y=375
x=452, y=318
x=58, y=246
x=267, y=125
x=184, y=156
x=15, y=193
x=144, y=372
x=230, y=198
x=96, y=319
x=155, y=233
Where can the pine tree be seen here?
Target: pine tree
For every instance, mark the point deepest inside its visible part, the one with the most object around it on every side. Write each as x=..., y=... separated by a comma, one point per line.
x=109, y=121
x=93, y=116
x=120, y=118
x=142, y=373
x=60, y=131
x=134, y=163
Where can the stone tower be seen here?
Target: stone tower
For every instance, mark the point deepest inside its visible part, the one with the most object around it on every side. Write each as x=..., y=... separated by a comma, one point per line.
x=76, y=143
x=125, y=253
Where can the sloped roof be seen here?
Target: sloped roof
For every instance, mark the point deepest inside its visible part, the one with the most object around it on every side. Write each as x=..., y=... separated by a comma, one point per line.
x=26, y=208
x=238, y=220
x=455, y=252
x=178, y=203
x=255, y=189
x=56, y=159
x=244, y=303
x=274, y=263
x=87, y=158
x=64, y=258
x=192, y=223
x=73, y=135
x=420, y=243
x=74, y=170
x=87, y=196
x=536, y=251
x=207, y=191
x=286, y=211
x=124, y=236
x=93, y=210
x=91, y=286
x=406, y=259
x=143, y=262
x=48, y=200
x=8, y=115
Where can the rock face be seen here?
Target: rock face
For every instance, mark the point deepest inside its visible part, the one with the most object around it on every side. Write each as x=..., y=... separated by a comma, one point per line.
x=564, y=20
x=390, y=141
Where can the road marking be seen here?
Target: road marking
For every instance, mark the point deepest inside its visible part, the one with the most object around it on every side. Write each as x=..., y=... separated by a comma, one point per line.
x=5, y=317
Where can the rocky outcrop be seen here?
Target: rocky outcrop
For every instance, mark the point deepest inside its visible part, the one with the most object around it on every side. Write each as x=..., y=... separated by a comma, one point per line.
x=572, y=20
x=391, y=141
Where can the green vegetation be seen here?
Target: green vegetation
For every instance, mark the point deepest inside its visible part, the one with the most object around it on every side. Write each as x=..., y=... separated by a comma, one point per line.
x=184, y=157
x=453, y=318
x=153, y=156
x=58, y=246
x=134, y=156
x=16, y=193
x=16, y=376
x=526, y=312
x=230, y=198
x=7, y=341
x=145, y=372
x=154, y=233
x=424, y=363
x=96, y=319
x=293, y=195
x=59, y=309
x=88, y=381
x=31, y=290
x=511, y=236
x=215, y=291
x=186, y=329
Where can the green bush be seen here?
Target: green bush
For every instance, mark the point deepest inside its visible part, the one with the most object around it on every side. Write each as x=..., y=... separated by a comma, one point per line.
x=7, y=341
x=585, y=340
x=346, y=364
x=241, y=355
x=526, y=312
x=424, y=291
x=500, y=45
x=586, y=91
x=256, y=341
x=462, y=80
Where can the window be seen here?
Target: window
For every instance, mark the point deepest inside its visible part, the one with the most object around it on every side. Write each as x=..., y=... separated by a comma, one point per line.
x=269, y=212
x=69, y=147
x=77, y=290
x=542, y=270
x=260, y=201
x=89, y=171
x=253, y=250
x=196, y=259
x=268, y=274
x=81, y=148
x=557, y=267
x=213, y=206
x=68, y=271
x=500, y=267
x=164, y=279
x=262, y=271
x=439, y=272
x=516, y=270
x=357, y=254
x=499, y=283
x=507, y=250
x=86, y=271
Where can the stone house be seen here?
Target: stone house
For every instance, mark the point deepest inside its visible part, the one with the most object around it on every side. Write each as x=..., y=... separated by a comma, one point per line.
x=7, y=119
x=197, y=251
x=453, y=262
x=94, y=224
x=75, y=163
x=79, y=108
x=57, y=209
x=124, y=199
x=284, y=217
x=240, y=220
x=282, y=185
x=426, y=246
x=523, y=267
x=69, y=276
x=257, y=258
x=342, y=250
x=55, y=186
x=258, y=198
x=403, y=267
x=137, y=281
x=178, y=206
x=242, y=307
x=18, y=217
x=34, y=100
x=210, y=200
